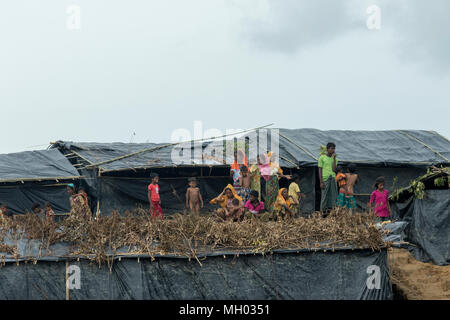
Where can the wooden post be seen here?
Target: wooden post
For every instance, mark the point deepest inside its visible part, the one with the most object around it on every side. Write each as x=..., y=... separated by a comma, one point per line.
x=67, y=281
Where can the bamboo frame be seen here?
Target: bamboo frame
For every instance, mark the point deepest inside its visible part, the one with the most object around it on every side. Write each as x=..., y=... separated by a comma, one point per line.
x=439, y=135
x=165, y=178
x=423, y=143
x=83, y=158
x=40, y=179
x=97, y=213
x=299, y=146
x=162, y=167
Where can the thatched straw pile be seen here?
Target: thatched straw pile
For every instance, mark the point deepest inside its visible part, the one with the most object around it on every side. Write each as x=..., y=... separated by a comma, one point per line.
x=191, y=235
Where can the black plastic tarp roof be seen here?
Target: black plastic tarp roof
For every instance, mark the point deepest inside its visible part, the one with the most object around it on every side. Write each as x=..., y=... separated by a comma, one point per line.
x=159, y=156
x=368, y=147
x=297, y=147
x=35, y=165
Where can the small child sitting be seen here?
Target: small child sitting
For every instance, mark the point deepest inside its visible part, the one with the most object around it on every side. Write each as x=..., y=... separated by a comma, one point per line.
x=254, y=206
x=236, y=212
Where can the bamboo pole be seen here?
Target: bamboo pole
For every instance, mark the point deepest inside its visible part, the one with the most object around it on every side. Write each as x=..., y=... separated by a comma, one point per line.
x=40, y=179
x=423, y=143
x=299, y=146
x=98, y=199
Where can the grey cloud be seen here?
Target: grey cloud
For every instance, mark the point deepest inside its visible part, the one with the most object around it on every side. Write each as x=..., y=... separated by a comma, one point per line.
x=293, y=24
x=421, y=29
x=423, y=33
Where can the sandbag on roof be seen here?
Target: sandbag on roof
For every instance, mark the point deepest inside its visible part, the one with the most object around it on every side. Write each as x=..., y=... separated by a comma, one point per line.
x=35, y=165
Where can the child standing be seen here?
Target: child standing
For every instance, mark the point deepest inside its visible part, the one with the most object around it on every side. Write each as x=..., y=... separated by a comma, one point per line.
x=153, y=197
x=236, y=175
x=380, y=199
x=351, y=178
x=294, y=194
x=342, y=184
x=245, y=181
x=49, y=213
x=194, y=199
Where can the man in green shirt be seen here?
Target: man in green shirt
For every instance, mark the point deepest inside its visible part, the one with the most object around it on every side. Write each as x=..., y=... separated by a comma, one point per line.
x=327, y=175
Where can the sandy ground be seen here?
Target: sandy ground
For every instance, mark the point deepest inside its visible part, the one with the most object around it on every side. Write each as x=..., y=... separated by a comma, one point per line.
x=417, y=280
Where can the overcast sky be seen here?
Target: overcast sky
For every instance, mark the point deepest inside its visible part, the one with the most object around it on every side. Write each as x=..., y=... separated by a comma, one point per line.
x=152, y=66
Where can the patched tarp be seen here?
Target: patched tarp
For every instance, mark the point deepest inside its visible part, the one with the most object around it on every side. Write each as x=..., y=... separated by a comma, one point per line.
x=343, y=274
x=35, y=165
x=428, y=225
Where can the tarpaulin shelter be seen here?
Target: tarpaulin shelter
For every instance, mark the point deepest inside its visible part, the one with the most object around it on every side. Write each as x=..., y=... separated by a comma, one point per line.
x=35, y=177
x=398, y=155
x=117, y=174
x=346, y=273
x=425, y=205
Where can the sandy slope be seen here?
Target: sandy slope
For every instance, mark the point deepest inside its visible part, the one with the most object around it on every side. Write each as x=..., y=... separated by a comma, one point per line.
x=418, y=280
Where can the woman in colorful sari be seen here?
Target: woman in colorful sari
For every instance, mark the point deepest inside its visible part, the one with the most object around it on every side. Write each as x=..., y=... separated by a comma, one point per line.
x=256, y=172
x=282, y=207
x=272, y=186
x=225, y=201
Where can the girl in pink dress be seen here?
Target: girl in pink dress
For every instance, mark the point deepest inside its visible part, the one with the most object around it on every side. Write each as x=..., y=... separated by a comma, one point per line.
x=380, y=200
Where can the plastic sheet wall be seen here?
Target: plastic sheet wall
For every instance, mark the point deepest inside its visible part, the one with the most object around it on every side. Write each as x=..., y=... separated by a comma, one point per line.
x=321, y=275
x=20, y=198
x=428, y=225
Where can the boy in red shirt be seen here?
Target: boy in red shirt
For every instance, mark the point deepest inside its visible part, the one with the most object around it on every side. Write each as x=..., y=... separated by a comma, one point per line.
x=153, y=197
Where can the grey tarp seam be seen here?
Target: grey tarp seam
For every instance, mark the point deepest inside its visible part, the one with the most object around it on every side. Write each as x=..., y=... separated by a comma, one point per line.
x=299, y=146
x=427, y=146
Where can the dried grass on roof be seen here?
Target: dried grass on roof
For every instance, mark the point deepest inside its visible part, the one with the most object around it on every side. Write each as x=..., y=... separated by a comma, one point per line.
x=192, y=235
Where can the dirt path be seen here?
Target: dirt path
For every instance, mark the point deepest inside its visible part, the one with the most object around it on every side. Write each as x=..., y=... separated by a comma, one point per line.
x=418, y=280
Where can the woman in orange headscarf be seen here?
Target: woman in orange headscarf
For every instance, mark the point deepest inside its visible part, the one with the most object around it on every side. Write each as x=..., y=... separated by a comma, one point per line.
x=231, y=205
x=272, y=186
x=282, y=206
